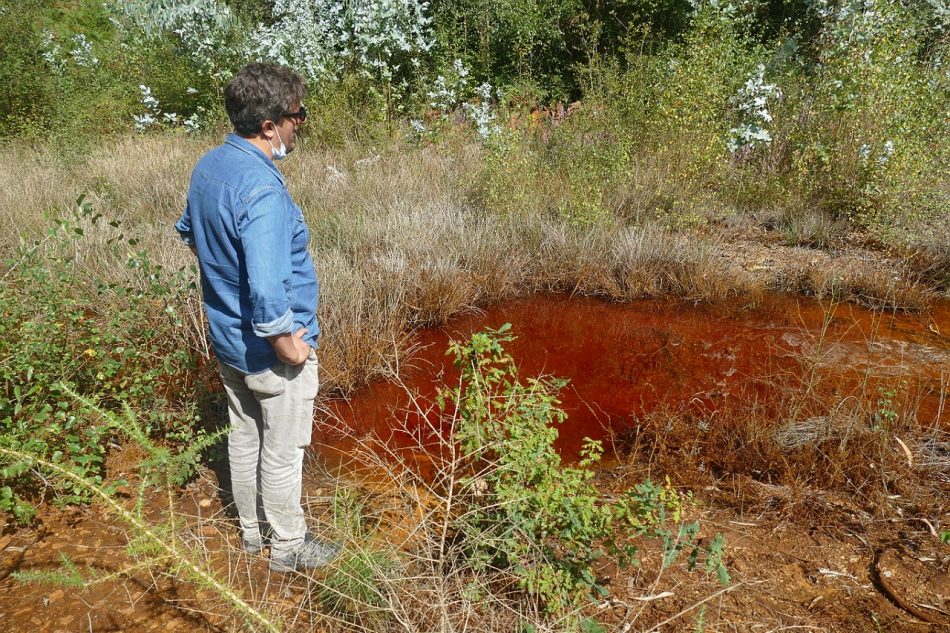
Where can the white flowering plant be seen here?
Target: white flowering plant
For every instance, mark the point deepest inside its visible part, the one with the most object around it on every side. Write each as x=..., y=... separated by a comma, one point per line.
x=385, y=41
x=52, y=53
x=79, y=53
x=449, y=88
x=482, y=113
x=755, y=117
x=82, y=52
x=204, y=29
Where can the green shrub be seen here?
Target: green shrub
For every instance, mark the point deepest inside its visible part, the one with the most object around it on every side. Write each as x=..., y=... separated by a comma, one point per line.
x=26, y=94
x=346, y=111
x=62, y=333
x=509, y=40
x=854, y=100
x=526, y=512
x=863, y=137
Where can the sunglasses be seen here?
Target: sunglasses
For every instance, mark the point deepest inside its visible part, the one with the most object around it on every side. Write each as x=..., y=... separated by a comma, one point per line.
x=299, y=116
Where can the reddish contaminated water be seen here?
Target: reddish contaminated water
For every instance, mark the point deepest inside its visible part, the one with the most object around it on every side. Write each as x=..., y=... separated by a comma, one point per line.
x=625, y=361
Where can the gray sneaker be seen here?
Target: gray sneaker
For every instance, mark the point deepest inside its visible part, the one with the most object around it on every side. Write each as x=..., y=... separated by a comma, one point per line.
x=252, y=545
x=311, y=554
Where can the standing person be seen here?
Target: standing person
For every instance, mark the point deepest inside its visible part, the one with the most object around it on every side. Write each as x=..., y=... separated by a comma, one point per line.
x=260, y=293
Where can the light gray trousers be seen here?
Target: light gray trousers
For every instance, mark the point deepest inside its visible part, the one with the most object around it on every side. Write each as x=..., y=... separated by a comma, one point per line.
x=271, y=420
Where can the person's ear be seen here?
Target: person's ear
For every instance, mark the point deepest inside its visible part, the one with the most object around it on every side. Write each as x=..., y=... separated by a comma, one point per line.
x=268, y=129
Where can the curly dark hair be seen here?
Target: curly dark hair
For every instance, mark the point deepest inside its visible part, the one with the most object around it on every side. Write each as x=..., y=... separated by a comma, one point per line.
x=261, y=92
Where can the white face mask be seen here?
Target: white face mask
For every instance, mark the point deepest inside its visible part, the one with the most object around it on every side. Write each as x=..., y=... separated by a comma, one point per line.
x=278, y=154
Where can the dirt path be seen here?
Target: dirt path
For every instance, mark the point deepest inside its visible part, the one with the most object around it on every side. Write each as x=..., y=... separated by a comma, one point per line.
x=846, y=571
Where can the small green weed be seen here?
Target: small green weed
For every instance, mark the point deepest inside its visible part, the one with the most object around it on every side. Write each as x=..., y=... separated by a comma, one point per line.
x=886, y=416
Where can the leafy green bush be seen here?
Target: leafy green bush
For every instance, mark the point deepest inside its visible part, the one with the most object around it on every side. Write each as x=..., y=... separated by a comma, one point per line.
x=25, y=91
x=62, y=333
x=509, y=40
x=857, y=122
x=874, y=109
x=696, y=111
x=529, y=514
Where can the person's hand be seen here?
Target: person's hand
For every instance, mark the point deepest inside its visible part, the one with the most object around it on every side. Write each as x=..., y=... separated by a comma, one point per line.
x=291, y=348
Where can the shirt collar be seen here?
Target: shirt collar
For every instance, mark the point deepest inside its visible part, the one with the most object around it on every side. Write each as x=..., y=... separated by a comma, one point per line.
x=249, y=148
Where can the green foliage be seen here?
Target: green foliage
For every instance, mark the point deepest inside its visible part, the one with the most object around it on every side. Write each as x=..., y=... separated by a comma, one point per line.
x=874, y=108
x=695, y=109
x=63, y=334
x=570, y=175
x=72, y=72
x=886, y=417
x=856, y=113
x=543, y=47
x=348, y=113
x=25, y=90
x=528, y=513
x=67, y=576
x=508, y=179
x=507, y=40
x=22, y=511
x=61, y=83
x=156, y=547
x=589, y=156
x=354, y=589
x=705, y=71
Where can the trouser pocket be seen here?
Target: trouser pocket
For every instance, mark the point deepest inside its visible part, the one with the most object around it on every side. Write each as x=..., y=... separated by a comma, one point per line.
x=310, y=376
x=267, y=383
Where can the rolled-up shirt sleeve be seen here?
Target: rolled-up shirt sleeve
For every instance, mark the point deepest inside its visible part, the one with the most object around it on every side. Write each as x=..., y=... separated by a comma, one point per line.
x=183, y=226
x=266, y=239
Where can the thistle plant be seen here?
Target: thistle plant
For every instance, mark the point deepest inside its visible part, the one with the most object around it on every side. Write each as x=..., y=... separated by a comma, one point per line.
x=155, y=546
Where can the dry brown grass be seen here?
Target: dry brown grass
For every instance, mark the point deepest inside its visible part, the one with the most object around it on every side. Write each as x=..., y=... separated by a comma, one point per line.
x=928, y=259
x=808, y=226
x=867, y=283
x=397, y=241
x=401, y=241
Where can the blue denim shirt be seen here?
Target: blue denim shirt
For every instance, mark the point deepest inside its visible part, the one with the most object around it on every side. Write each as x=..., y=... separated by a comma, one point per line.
x=257, y=276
